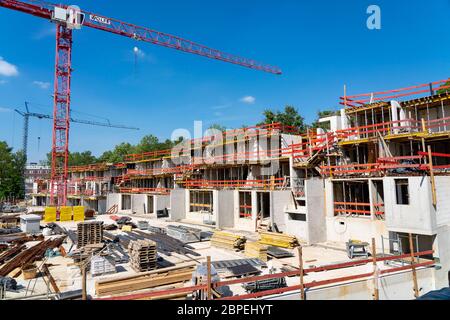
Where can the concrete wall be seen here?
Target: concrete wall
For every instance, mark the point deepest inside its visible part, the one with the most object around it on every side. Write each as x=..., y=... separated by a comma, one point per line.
x=442, y=252
x=443, y=201
x=341, y=229
x=316, y=213
x=419, y=216
x=279, y=203
x=113, y=199
x=225, y=209
x=139, y=203
x=160, y=202
x=178, y=204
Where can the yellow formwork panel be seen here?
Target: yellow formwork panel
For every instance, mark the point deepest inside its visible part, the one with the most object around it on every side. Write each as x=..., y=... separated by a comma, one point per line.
x=50, y=214
x=78, y=213
x=65, y=214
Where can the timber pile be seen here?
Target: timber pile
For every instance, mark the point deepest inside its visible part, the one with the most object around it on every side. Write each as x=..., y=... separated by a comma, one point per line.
x=228, y=240
x=147, y=280
x=142, y=255
x=256, y=250
x=278, y=240
x=11, y=253
x=29, y=256
x=89, y=233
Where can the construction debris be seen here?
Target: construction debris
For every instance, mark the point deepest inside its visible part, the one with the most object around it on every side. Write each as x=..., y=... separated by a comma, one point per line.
x=89, y=233
x=278, y=240
x=147, y=280
x=29, y=256
x=256, y=250
x=142, y=255
x=264, y=285
x=228, y=240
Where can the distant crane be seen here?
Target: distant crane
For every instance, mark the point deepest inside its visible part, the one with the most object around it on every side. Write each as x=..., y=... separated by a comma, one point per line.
x=26, y=123
x=69, y=18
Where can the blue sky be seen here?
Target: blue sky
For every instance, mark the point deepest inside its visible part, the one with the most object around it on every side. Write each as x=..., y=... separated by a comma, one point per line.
x=320, y=46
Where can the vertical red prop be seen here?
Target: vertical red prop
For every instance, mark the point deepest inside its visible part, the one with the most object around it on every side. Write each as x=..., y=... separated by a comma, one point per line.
x=61, y=117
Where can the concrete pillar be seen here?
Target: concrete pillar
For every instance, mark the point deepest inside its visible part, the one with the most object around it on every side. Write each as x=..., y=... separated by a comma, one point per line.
x=395, y=106
x=344, y=120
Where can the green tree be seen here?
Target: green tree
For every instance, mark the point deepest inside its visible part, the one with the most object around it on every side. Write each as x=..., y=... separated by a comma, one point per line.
x=12, y=166
x=323, y=114
x=77, y=158
x=447, y=84
x=118, y=154
x=218, y=127
x=148, y=143
x=289, y=117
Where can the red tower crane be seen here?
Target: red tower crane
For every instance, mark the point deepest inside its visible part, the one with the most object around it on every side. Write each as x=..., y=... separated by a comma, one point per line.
x=68, y=18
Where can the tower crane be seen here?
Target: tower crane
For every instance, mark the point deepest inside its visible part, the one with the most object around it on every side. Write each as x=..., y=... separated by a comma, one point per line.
x=69, y=18
x=26, y=121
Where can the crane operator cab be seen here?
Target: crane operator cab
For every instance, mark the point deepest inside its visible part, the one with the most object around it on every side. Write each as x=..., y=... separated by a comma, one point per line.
x=71, y=17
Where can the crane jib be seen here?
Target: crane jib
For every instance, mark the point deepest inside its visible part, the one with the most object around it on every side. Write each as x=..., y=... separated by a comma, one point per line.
x=99, y=19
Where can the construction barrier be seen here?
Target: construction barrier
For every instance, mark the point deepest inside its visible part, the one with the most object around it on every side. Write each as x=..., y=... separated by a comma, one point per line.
x=65, y=214
x=50, y=214
x=78, y=213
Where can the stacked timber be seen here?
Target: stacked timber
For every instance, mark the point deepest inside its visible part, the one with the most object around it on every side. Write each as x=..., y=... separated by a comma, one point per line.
x=278, y=240
x=89, y=233
x=142, y=255
x=228, y=240
x=256, y=250
x=147, y=280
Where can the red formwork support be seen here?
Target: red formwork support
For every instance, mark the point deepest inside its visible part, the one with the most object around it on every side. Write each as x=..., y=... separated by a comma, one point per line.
x=61, y=116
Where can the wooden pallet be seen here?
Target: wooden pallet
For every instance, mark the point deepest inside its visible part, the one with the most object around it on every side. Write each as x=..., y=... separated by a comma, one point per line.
x=89, y=233
x=143, y=255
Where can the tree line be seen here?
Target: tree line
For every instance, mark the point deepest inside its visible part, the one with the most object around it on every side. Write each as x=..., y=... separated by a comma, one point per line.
x=12, y=167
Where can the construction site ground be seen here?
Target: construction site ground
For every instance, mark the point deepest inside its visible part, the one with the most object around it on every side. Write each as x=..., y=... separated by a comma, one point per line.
x=68, y=275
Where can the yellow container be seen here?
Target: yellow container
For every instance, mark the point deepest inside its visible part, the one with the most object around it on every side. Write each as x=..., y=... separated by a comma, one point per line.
x=78, y=213
x=50, y=214
x=65, y=214
x=127, y=228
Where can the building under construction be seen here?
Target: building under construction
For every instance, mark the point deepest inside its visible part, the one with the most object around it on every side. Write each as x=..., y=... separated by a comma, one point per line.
x=377, y=169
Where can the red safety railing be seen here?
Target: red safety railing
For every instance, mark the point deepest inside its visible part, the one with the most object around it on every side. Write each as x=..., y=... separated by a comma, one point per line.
x=245, y=133
x=131, y=190
x=264, y=184
x=359, y=100
x=334, y=281
x=357, y=209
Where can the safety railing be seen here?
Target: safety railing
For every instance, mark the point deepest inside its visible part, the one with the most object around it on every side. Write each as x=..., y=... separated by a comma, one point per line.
x=267, y=184
x=130, y=190
x=359, y=100
x=356, y=209
x=306, y=285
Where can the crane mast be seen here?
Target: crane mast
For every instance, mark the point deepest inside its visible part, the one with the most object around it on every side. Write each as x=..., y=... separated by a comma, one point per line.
x=68, y=18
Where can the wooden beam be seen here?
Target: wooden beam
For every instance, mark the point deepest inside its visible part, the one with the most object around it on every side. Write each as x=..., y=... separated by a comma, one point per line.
x=376, y=293
x=302, y=283
x=208, y=267
x=432, y=179
x=414, y=273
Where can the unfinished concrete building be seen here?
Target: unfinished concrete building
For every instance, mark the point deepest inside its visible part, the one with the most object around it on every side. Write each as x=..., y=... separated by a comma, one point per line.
x=378, y=168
